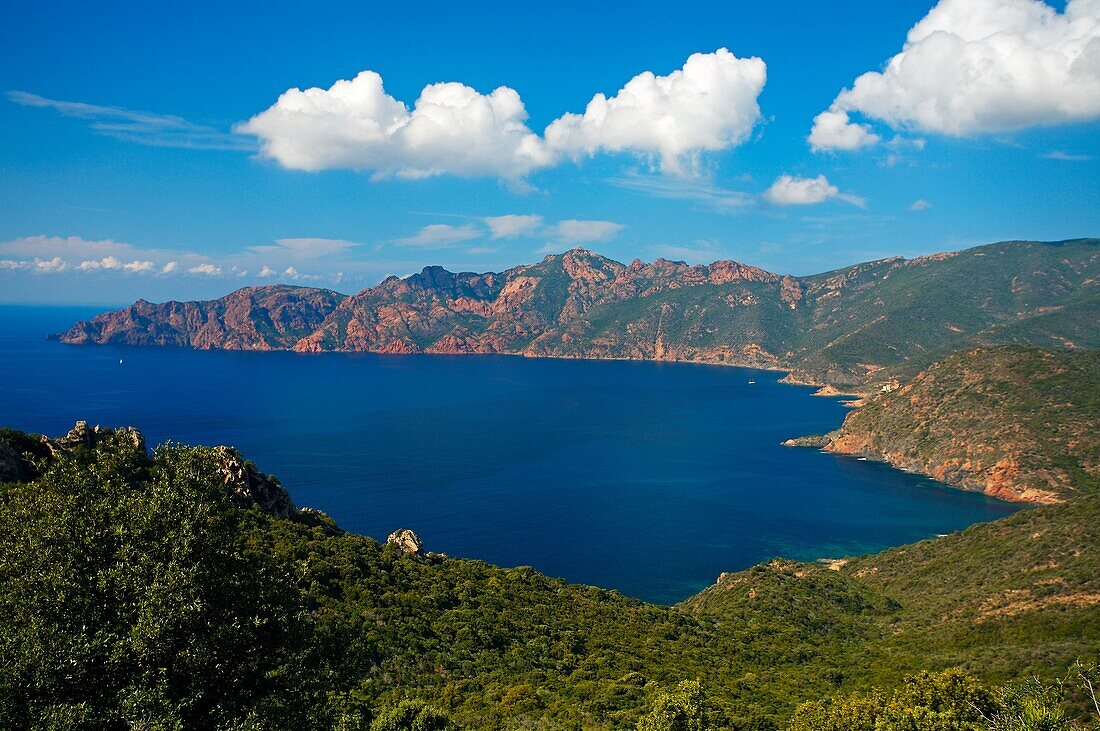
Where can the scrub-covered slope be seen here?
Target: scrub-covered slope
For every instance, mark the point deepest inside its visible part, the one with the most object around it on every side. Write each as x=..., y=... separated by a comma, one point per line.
x=186, y=590
x=1014, y=422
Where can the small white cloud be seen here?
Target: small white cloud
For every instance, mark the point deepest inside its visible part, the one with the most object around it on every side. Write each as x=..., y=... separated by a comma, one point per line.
x=833, y=130
x=572, y=231
x=169, y=267
x=510, y=226
x=209, y=270
x=56, y=264
x=978, y=66
x=920, y=204
x=788, y=190
x=267, y=272
x=440, y=235
x=13, y=265
x=710, y=104
x=290, y=273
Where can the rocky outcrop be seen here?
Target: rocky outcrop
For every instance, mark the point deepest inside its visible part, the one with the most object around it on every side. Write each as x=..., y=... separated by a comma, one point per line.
x=814, y=440
x=248, y=486
x=406, y=541
x=243, y=481
x=83, y=437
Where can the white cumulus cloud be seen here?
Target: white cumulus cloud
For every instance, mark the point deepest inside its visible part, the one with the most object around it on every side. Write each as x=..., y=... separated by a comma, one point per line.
x=710, y=104
x=788, y=190
x=978, y=66
x=355, y=124
x=210, y=270
x=834, y=130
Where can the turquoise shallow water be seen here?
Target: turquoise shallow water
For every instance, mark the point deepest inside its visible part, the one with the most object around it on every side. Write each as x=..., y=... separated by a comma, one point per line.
x=650, y=478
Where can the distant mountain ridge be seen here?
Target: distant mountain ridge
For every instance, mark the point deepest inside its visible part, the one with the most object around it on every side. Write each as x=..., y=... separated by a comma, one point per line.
x=851, y=326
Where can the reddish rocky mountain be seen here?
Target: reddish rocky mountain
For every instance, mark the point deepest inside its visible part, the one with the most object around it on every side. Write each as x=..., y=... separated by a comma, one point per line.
x=253, y=318
x=855, y=326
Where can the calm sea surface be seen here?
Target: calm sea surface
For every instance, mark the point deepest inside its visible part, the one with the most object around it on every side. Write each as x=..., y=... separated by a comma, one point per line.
x=650, y=478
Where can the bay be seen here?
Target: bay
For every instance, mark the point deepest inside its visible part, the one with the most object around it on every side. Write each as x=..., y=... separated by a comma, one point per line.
x=649, y=478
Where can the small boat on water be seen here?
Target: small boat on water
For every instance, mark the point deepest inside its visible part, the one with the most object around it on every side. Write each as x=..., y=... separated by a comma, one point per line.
x=862, y=459
x=751, y=382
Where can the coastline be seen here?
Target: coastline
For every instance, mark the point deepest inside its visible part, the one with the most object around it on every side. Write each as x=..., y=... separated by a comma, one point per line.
x=824, y=390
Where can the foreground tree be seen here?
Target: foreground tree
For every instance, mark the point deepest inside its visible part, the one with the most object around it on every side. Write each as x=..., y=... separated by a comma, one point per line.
x=130, y=600
x=685, y=708
x=946, y=701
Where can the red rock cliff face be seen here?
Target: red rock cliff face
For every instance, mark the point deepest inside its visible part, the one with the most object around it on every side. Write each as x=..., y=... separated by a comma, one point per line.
x=253, y=318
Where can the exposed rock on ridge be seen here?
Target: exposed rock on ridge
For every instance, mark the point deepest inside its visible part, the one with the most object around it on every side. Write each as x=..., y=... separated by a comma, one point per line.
x=252, y=318
x=864, y=324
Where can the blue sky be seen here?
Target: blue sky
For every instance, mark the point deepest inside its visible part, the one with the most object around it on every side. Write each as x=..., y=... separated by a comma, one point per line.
x=129, y=167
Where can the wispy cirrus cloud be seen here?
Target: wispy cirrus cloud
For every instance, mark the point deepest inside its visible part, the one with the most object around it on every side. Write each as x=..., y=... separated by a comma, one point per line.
x=512, y=225
x=441, y=236
x=570, y=231
x=305, y=248
x=143, y=128
x=717, y=198
x=1066, y=156
x=574, y=231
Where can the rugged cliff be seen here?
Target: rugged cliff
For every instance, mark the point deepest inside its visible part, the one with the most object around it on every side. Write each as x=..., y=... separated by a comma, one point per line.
x=252, y=318
x=859, y=325
x=1014, y=422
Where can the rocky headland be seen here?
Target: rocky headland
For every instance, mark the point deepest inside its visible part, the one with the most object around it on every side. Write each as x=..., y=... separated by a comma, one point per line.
x=1012, y=422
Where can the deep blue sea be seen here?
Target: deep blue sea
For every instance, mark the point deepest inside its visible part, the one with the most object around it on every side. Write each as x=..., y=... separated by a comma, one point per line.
x=650, y=478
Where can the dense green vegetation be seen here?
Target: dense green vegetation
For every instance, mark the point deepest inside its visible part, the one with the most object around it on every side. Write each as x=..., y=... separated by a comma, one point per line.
x=137, y=591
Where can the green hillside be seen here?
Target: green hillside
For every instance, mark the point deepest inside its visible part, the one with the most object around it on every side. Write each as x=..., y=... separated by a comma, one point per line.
x=1012, y=421
x=165, y=592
